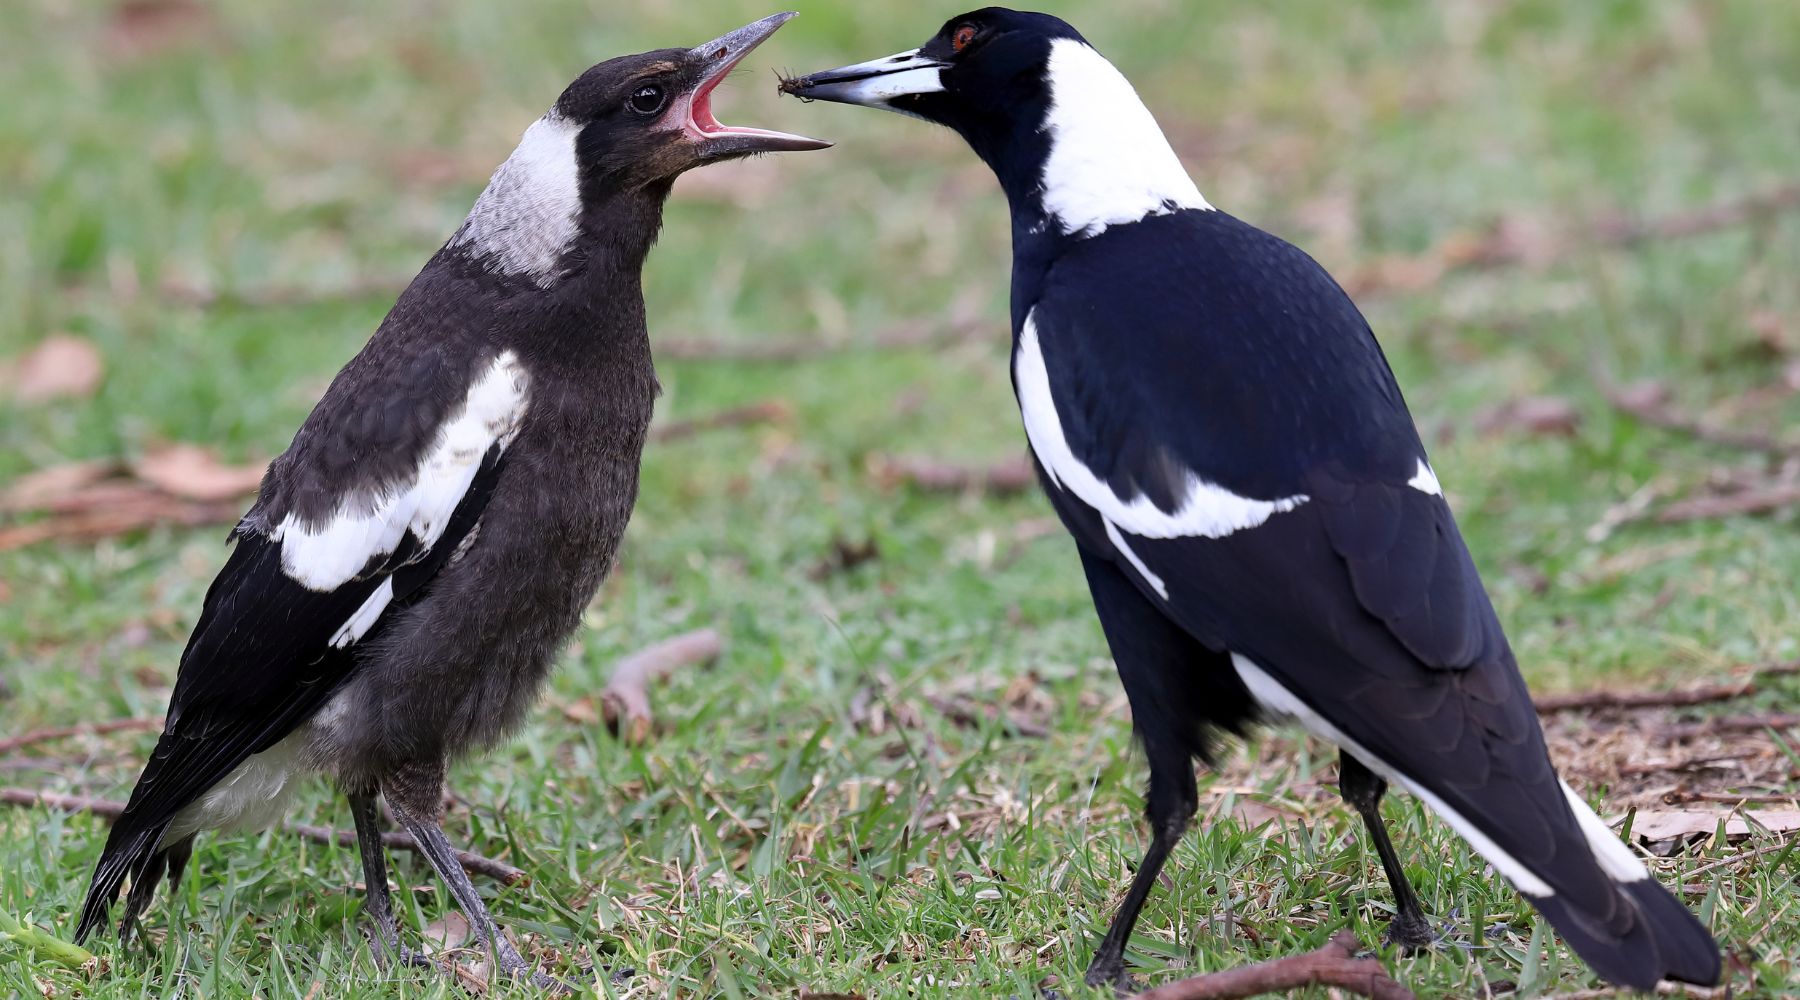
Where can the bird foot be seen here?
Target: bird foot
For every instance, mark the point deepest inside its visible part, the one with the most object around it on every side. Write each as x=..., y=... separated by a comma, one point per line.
x=1111, y=972
x=1411, y=935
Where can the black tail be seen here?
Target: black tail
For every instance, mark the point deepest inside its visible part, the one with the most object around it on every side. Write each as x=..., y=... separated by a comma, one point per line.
x=130, y=850
x=1662, y=939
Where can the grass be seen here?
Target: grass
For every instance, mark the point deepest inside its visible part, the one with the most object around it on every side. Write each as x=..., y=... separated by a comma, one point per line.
x=773, y=837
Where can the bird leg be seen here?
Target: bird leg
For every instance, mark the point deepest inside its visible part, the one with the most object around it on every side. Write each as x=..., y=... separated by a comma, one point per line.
x=436, y=848
x=1173, y=802
x=1363, y=789
x=379, y=905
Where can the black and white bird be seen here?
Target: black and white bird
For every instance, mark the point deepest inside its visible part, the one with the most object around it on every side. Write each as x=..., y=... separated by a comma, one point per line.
x=1261, y=530
x=420, y=553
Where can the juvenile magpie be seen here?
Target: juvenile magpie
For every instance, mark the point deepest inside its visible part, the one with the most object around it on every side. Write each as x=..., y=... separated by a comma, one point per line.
x=419, y=554
x=1261, y=530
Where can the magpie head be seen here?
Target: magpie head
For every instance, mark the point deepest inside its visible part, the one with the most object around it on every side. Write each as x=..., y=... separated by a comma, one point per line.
x=644, y=119
x=1063, y=129
x=981, y=73
x=619, y=135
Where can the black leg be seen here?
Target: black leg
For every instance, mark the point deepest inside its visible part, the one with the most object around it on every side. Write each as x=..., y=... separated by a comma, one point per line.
x=1363, y=789
x=1176, y=686
x=436, y=848
x=1173, y=801
x=385, y=935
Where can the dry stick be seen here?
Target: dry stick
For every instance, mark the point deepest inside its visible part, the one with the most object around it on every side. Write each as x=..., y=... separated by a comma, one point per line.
x=1331, y=965
x=767, y=412
x=1730, y=724
x=85, y=729
x=108, y=809
x=1501, y=249
x=1757, y=500
x=1010, y=475
x=1651, y=408
x=625, y=701
x=1664, y=699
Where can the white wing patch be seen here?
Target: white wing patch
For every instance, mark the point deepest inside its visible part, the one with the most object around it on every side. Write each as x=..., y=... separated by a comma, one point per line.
x=1109, y=161
x=325, y=556
x=531, y=210
x=1206, y=511
x=1277, y=700
x=1425, y=480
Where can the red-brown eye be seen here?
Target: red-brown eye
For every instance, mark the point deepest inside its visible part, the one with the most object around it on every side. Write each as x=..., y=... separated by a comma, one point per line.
x=963, y=36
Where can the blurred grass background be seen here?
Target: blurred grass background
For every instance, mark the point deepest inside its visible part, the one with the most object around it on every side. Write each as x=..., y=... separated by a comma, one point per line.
x=224, y=198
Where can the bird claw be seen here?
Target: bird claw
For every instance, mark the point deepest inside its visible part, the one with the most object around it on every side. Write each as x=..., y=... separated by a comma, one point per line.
x=1111, y=973
x=1411, y=936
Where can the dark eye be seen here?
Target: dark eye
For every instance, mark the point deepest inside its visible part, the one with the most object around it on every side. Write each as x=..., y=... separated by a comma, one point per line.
x=962, y=37
x=647, y=100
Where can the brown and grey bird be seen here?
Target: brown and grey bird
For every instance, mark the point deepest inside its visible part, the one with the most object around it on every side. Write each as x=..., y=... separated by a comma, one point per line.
x=420, y=553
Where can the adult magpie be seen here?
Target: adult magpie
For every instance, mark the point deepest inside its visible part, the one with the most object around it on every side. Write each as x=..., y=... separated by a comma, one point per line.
x=1261, y=530
x=416, y=558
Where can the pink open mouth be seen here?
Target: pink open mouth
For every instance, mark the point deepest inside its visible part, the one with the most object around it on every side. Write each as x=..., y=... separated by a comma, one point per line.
x=703, y=124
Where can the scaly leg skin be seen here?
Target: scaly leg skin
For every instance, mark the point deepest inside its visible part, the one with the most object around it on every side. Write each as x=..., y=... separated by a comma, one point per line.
x=436, y=848
x=1171, y=809
x=1363, y=789
x=384, y=937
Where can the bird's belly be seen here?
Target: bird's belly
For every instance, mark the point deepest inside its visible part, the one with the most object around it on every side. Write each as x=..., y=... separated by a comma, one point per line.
x=253, y=796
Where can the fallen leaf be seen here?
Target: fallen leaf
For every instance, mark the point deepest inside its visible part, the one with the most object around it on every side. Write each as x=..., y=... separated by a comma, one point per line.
x=192, y=473
x=447, y=932
x=1657, y=825
x=60, y=367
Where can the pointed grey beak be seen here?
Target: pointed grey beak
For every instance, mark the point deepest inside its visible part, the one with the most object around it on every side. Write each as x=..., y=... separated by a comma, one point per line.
x=873, y=84
x=718, y=58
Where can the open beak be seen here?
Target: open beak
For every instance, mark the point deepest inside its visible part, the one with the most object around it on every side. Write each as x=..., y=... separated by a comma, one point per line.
x=717, y=58
x=877, y=83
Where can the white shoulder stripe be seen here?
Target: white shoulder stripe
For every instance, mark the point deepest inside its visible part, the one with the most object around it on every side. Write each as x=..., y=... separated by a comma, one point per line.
x=365, y=617
x=1278, y=700
x=1109, y=162
x=322, y=557
x=1207, y=510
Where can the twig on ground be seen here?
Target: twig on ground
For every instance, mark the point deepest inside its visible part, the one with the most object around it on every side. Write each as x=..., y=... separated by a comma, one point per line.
x=771, y=411
x=766, y=349
x=1755, y=500
x=625, y=701
x=1649, y=403
x=1331, y=965
x=1739, y=857
x=400, y=840
x=85, y=729
x=970, y=714
x=1511, y=243
x=109, y=809
x=1665, y=699
x=1010, y=475
x=1729, y=724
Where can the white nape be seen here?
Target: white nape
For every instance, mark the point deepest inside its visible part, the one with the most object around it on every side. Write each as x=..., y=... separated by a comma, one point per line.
x=1615, y=858
x=1109, y=161
x=324, y=556
x=1204, y=510
x=530, y=212
x=1156, y=582
x=1425, y=480
x=1276, y=700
